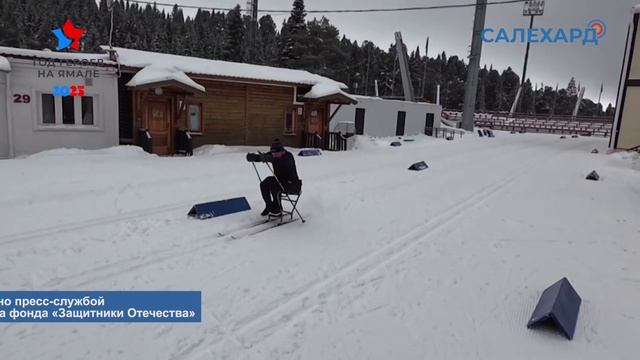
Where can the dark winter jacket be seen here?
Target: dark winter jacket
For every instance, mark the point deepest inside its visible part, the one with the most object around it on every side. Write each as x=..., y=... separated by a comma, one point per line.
x=284, y=167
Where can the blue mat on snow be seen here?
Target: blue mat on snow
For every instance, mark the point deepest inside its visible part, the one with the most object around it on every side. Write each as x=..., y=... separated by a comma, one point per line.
x=310, y=152
x=219, y=208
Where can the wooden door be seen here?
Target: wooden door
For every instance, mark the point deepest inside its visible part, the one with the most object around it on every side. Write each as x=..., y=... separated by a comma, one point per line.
x=315, y=120
x=158, y=120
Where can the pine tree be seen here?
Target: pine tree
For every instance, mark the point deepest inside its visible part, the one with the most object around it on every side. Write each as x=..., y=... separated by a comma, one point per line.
x=323, y=55
x=295, y=38
x=234, y=39
x=176, y=31
x=217, y=30
x=267, y=41
x=12, y=24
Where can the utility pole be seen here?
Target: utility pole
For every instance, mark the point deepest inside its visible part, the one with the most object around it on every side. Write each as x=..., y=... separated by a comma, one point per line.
x=252, y=6
x=474, y=66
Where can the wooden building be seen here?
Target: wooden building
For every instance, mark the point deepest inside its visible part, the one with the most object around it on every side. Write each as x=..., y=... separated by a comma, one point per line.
x=220, y=102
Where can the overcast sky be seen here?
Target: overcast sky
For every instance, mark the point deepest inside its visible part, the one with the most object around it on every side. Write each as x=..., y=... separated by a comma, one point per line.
x=450, y=31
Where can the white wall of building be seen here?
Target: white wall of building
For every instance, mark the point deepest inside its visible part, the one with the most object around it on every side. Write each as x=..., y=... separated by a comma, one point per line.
x=31, y=135
x=381, y=116
x=4, y=124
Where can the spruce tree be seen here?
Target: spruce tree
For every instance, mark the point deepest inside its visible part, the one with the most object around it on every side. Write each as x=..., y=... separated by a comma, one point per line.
x=267, y=41
x=234, y=39
x=295, y=39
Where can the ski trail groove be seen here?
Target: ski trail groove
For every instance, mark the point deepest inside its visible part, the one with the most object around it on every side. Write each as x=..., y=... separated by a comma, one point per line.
x=254, y=328
x=262, y=324
x=202, y=242
x=106, y=220
x=171, y=253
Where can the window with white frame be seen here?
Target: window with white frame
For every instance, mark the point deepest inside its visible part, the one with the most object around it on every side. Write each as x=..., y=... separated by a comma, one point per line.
x=289, y=122
x=195, y=118
x=67, y=110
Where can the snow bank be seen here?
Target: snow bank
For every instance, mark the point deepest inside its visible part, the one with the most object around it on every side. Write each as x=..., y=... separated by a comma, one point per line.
x=364, y=142
x=4, y=64
x=115, y=151
x=153, y=74
x=449, y=123
x=207, y=150
x=212, y=150
x=627, y=155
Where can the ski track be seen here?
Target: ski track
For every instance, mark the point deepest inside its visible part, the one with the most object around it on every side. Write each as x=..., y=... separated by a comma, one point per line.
x=163, y=254
x=255, y=328
x=196, y=244
x=89, y=192
x=42, y=233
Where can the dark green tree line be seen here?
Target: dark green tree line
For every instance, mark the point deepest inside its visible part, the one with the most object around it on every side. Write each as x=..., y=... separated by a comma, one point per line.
x=301, y=43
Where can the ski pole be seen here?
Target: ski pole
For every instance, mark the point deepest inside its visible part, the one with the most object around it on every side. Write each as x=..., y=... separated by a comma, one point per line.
x=256, y=169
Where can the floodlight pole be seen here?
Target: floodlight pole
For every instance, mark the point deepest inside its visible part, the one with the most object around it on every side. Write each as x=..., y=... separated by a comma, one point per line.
x=471, y=87
x=516, y=102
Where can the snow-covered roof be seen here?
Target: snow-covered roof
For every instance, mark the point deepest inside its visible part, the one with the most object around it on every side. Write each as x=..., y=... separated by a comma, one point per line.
x=200, y=66
x=325, y=89
x=154, y=74
x=4, y=64
x=48, y=54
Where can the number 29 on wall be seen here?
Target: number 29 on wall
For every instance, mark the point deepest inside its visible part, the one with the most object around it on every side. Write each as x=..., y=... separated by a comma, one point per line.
x=75, y=90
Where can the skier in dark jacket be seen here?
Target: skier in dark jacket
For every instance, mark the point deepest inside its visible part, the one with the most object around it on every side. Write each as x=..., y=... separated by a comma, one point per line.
x=284, y=167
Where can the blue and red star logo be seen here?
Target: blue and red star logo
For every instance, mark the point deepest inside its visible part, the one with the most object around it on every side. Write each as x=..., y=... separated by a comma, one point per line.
x=69, y=36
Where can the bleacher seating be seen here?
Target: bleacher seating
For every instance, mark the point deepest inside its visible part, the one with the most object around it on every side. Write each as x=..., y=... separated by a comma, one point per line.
x=542, y=123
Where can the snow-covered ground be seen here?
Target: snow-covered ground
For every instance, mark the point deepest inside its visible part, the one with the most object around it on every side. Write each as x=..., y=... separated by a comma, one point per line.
x=447, y=263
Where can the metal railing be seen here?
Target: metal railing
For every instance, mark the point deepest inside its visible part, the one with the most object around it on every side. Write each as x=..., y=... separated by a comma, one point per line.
x=444, y=132
x=331, y=141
